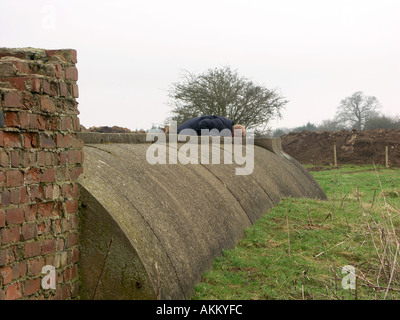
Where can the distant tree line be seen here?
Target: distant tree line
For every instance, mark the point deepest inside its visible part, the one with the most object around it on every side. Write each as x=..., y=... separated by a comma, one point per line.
x=358, y=111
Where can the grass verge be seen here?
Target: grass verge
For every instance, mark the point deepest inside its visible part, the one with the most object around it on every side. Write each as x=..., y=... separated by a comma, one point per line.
x=343, y=248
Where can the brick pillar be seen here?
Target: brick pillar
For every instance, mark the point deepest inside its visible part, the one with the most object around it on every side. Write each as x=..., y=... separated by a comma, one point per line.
x=40, y=162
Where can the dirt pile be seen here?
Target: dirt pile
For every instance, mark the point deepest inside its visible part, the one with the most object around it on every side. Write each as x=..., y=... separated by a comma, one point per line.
x=352, y=147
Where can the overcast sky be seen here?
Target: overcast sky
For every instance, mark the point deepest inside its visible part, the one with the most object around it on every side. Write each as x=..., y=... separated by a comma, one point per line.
x=315, y=52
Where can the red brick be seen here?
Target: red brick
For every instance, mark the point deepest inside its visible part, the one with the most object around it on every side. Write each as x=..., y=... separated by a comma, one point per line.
x=48, y=192
x=10, y=257
x=72, y=240
x=54, y=88
x=48, y=158
x=75, y=91
x=33, y=84
x=30, y=140
x=76, y=172
x=35, y=193
x=63, y=89
x=15, y=234
x=33, y=121
x=14, y=216
x=11, y=119
x=41, y=158
x=66, y=123
x=4, y=159
x=11, y=139
x=62, y=158
x=30, y=83
x=24, y=120
x=15, y=159
x=31, y=286
x=66, y=224
x=6, y=275
x=1, y=139
x=75, y=190
x=30, y=212
x=54, y=124
x=46, y=86
x=72, y=157
x=66, y=191
x=13, y=99
x=29, y=101
x=22, y=66
x=73, y=56
x=32, y=249
x=75, y=255
x=2, y=218
x=24, y=198
x=5, y=198
x=61, y=247
x=46, y=104
x=44, y=228
x=1, y=182
x=56, y=228
x=67, y=274
x=58, y=71
x=14, y=291
x=41, y=123
x=19, y=270
x=29, y=231
x=45, y=209
x=62, y=174
x=47, y=141
x=63, y=141
x=71, y=73
x=14, y=193
x=76, y=124
x=68, y=55
x=53, y=260
x=32, y=176
x=35, y=266
x=2, y=257
x=5, y=236
x=71, y=206
x=48, y=175
x=29, y=159
x=48, y=246
x=56, y=191
x=14, y=178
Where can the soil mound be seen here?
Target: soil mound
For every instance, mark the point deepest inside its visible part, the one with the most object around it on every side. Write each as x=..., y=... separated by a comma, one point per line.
x=352, y=146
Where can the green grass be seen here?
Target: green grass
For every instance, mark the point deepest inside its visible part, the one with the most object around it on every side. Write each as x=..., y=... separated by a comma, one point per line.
x=358, y=226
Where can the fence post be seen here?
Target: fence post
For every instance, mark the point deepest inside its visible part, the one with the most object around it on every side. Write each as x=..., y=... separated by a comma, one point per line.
x=334, y=155
x=386, y=157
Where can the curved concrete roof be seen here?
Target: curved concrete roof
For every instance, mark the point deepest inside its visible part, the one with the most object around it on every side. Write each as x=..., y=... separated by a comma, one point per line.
x=168, y=222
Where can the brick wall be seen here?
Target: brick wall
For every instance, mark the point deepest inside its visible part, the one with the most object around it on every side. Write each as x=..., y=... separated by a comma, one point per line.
x=40, y=161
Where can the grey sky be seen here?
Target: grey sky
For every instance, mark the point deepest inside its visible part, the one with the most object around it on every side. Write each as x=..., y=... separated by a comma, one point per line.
x=314, y=52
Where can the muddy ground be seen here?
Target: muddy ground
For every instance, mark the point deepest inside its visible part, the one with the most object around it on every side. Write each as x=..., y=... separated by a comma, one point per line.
x=352, y=146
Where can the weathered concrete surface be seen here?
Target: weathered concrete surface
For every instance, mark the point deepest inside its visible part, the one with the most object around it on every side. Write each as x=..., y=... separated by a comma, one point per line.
x=168, y=222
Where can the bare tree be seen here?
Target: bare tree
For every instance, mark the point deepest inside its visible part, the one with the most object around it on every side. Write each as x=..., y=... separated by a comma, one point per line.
x=223, y=92
x=354, y=111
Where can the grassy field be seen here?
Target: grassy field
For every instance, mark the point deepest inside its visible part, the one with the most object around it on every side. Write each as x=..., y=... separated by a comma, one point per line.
x=298, y=250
